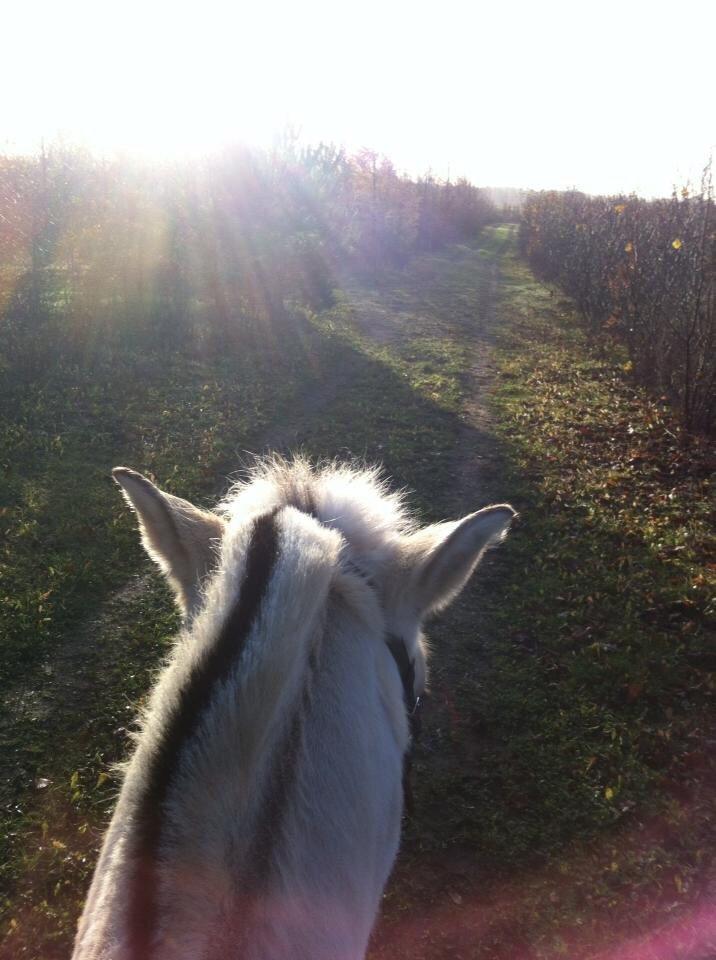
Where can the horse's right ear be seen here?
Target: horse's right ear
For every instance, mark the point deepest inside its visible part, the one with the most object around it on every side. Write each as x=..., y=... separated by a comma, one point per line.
x=446, y=554
x=178, y=536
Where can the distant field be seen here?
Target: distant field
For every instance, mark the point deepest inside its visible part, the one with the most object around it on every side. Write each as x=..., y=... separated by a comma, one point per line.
x=564, y=785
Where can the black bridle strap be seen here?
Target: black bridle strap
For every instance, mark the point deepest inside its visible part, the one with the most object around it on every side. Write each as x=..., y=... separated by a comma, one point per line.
x=406, y=669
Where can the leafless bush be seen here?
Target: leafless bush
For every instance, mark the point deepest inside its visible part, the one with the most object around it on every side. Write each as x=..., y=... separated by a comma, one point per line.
x=645, y=272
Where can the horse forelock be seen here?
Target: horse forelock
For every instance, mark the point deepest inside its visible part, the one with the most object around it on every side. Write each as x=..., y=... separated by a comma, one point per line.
x=350, y=498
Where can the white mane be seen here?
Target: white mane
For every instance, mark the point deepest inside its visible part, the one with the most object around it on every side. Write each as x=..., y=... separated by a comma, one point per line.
x=352, y=499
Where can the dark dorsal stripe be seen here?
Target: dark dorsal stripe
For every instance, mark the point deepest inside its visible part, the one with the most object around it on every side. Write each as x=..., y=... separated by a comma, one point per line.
x=269, y=825
x=186, y=715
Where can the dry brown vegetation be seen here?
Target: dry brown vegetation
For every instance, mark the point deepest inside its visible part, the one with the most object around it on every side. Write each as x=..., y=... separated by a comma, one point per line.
x=644, y=272
x=96, y=252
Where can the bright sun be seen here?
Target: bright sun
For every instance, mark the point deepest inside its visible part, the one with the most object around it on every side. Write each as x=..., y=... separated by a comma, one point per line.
x=611, y=99
x=158, y=78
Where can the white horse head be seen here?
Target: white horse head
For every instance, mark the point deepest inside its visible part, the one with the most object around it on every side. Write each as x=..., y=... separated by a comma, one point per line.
x=260, y=814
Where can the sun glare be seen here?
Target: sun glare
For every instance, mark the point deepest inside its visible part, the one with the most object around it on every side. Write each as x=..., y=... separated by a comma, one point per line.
x=607, y=99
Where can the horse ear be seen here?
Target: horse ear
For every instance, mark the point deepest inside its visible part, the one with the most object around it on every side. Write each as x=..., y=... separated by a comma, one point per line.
x=449, y=552
x=177, y=535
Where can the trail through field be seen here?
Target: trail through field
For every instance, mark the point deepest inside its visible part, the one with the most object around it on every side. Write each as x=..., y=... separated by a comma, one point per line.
x=405, y=385
x=431, y=910
x=564, y=780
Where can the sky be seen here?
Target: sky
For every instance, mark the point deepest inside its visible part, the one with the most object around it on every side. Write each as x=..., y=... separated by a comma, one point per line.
x=604, y=96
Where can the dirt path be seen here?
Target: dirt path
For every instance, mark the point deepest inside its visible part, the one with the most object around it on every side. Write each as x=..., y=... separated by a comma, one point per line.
x=425, y=916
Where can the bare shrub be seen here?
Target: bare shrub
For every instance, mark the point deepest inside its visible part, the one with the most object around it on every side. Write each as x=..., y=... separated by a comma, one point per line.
x=645, y=272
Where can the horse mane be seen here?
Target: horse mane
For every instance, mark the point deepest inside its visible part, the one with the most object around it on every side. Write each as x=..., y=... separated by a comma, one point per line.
x=351, y=498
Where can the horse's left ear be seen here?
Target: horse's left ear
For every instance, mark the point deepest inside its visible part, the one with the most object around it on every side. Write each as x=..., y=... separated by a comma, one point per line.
x=447, y=553
x=178, y=536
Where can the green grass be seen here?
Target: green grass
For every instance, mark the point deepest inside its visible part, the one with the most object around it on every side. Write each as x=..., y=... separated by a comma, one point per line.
x=594, y=792
x=562, y=783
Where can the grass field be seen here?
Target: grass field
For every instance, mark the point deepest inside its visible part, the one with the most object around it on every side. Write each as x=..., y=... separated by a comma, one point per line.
x=564, y=784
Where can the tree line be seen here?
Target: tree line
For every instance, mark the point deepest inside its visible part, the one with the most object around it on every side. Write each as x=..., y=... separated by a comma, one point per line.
x=93, y=250
x=644, y=272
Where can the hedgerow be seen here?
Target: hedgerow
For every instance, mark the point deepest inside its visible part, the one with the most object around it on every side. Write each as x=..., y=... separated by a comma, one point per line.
x=643, y=272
